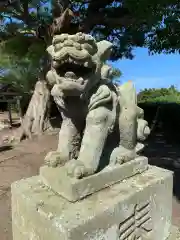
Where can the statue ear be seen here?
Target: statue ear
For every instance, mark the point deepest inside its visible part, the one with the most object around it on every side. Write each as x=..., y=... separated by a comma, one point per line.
x=104, y=49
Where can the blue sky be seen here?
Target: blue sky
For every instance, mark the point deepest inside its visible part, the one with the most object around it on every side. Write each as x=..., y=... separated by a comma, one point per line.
x=150, y=71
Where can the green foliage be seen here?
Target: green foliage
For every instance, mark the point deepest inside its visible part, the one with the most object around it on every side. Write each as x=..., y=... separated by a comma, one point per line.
x=116, y=75
x=165, y=95
x=21, y=51
x=20, y=63
x=127, y=24
x=165, y=36
x=21, y=74
x=24, y=28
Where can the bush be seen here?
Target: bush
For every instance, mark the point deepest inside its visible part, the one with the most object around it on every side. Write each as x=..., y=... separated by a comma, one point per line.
x=169, y=117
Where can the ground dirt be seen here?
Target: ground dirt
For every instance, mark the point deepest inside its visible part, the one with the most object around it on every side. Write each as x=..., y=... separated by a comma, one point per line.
x=19, y=162
x=25, y=159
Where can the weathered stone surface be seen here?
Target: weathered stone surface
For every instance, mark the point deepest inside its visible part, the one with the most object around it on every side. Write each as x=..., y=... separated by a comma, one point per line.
x=175, y=233
x=91, y=105
x=75, y=189
x=141, y=206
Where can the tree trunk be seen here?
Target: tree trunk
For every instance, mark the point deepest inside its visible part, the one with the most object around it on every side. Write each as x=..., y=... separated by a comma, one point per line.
x=36, y=119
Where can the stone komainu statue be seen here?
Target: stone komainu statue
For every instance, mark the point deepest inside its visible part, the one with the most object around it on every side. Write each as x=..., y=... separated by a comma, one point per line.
x=100, y=120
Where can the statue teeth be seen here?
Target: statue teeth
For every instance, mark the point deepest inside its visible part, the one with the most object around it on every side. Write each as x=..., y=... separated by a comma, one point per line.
x=81, y=80
x=70, y=60
x=71, y=75
x=85, y=64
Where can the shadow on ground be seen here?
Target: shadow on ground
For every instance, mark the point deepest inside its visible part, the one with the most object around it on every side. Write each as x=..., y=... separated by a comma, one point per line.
x=5, y=147
x=165, y=155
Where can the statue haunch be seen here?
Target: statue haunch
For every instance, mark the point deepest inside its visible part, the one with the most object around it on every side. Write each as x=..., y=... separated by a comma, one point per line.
x=91, y=107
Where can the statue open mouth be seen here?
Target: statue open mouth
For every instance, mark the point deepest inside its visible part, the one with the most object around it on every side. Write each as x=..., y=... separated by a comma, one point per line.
x=71, y=76
x=75, y=71
x=74, y=66
x=72, y=57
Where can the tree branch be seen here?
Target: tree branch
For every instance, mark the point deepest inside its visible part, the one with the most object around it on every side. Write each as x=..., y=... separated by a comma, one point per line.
x=25, y=14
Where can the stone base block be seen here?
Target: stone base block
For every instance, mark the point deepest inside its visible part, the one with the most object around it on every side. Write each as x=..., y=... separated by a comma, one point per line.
x=76, y=189
x=137, y=208
x=175, y=233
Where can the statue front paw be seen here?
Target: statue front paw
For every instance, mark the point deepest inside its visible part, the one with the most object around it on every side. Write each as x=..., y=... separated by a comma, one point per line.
x=76, y=169
x=122, y=155
x=143, y=130
x=54, y=158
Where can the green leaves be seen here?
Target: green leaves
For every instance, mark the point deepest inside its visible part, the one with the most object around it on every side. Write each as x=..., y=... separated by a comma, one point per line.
x=116, y=74
x=20, y=73
x=127, y=24
x=20, y=60
x=24, y=28
x=170, y=94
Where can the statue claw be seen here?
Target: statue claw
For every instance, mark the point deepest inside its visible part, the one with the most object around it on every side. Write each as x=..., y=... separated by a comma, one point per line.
x=122, y=155
x=75, y=169
x=54, y=158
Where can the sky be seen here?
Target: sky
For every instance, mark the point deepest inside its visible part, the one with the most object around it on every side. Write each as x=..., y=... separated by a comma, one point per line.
x=146, y=71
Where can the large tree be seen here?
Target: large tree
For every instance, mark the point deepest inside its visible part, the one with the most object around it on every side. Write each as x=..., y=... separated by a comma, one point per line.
x=28, y=27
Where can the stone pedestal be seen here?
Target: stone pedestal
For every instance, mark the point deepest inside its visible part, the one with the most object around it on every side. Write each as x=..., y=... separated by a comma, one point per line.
x=75, y=189
x=139, y=207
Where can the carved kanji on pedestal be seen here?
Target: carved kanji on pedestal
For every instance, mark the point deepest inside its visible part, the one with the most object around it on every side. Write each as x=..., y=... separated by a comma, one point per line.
x=138, y=225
